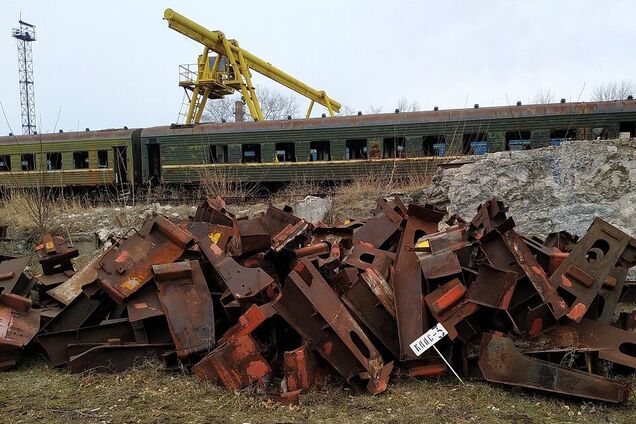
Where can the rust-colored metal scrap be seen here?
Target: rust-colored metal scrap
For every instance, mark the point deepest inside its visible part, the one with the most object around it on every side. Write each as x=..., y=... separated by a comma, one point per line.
x=276, y=302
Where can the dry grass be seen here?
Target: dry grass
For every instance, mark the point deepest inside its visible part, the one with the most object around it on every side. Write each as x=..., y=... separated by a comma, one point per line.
x=35, y=393
x=215, y=182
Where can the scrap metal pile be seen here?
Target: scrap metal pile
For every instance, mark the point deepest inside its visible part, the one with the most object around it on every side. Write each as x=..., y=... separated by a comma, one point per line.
x=281, y=304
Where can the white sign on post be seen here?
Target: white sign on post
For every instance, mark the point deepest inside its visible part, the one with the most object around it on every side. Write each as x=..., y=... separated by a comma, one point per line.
x=428, y=339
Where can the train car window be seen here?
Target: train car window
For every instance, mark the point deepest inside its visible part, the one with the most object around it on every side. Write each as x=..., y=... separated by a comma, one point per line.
x=53, y=161
x=627, y=127
x=80, y=160
x=356, y=149
x=393, y=147
x=434, y=145
x=518, y=140
x=559, y=135
x=285, y=152
x=319, y=150
x=5, y=163
x=475, y=143
x=218, y=154
x=102, y=158
x=251, y=153
x=28, y=161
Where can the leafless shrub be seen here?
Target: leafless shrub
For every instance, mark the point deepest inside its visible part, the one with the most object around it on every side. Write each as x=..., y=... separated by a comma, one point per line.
x=216, y=182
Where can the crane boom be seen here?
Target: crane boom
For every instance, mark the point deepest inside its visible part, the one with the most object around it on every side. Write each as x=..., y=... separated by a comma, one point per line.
x=212, y=82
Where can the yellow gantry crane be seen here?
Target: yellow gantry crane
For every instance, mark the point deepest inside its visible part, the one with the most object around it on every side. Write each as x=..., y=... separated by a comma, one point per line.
x=230, y=71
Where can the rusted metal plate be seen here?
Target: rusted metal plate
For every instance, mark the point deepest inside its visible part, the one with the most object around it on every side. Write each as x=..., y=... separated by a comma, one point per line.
x=144, y=304
x=112, y=358
x=71, y=288
x=19, y=323
x=237, y=361
x=300, y=369
x=348, y=345
x=12, y=277
x=213, y=211
x=126, y=267
x=384, y=224
x=449, y=306
x=254, y=235
x=381, y=289
x=612, y=344
x=490, y=215
x=290, y=233
x=187, y=304
x=242, y=282
x=212, y=233
x=493, y=287
x=364, y=256
x=501, y=362
x=370, y=311
x=508, y=251
x=561, y=240
x=81, y=312
x=584, y=272
x=407, y=280
x=55, y=344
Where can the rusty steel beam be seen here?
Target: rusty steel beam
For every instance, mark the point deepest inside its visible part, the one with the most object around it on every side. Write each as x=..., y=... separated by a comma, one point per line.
x=12, y=277
x=410, y=309
x=115, y=356
x=581, y=276
x=310, y=306
x=612, y=344
x=186, y=301
x=501, y=362
x=55, y=345
x=369, y=310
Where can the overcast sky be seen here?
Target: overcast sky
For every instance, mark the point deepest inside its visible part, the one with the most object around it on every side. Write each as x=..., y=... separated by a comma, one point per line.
x=113, y=63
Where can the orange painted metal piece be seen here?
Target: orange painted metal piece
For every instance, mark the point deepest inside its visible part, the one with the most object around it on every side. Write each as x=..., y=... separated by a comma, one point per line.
x=237, y=361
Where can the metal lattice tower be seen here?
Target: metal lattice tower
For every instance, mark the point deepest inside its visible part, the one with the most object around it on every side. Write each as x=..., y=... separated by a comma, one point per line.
x=25, y=34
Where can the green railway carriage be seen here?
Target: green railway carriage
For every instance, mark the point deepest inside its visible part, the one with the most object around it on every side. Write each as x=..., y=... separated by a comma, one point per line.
x=317, y=149
x=74, y=159
x=340, y=148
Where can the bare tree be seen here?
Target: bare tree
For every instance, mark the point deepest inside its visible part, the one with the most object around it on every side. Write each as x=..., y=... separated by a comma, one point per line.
x=405, y=105
x=220, y=110
x=543, y=97
x=347, y=111
x=374, y=109
x=274, y=104
x=616, y=90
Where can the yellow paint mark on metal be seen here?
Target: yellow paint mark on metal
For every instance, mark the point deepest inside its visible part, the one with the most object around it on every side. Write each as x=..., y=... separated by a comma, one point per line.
x=215, y=237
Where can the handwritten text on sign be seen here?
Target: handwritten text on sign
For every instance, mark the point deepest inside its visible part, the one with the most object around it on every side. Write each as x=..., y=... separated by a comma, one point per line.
x=428, y=339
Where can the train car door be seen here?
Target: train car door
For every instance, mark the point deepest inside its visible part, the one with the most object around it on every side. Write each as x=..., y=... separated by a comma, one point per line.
x=121, y=164
x=154, y=163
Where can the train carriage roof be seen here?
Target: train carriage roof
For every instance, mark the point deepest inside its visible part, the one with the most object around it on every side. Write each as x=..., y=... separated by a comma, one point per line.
x=109, y=134
x=405, y=118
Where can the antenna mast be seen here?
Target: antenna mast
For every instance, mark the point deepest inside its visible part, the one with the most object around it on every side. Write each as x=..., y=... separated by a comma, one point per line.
x=25, y=34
